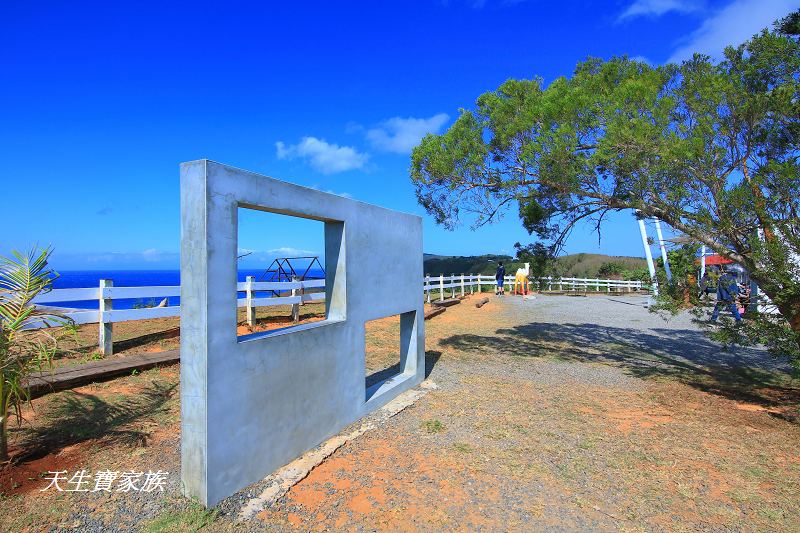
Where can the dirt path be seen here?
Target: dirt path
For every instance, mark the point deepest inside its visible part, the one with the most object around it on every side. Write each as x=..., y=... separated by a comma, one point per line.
x=551, y=414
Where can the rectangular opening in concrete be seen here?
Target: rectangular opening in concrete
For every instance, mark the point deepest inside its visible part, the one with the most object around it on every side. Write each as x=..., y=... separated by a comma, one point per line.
x=281, y=278
x=388, y=342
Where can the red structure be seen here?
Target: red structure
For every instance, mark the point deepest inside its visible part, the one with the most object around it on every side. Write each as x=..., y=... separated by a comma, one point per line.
x=715, y=259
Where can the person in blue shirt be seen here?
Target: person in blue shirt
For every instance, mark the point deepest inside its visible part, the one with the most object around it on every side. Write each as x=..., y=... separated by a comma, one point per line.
x=500, y=276
x=727, y=292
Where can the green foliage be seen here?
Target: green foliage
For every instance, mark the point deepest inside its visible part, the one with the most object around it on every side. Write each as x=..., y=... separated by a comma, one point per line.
x=683, y=292
x=23, y=350
x=539, y=258
x=790, y=24
x=141, y=303
x=577, y=265
x=610, y=268
x=194, y=518
x=709, y=147
x=588, y=265
x=636, y=274
x=433, y=426
x=476, y=264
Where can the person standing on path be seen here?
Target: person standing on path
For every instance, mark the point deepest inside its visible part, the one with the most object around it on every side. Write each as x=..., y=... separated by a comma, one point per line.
x=727, y=293
x=500, y=277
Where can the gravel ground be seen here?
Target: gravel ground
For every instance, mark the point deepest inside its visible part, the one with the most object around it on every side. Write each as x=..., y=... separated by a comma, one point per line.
x=625, y=319
x=556, y=413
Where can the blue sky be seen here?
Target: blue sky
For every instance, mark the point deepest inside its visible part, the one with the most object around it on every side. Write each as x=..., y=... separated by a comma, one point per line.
x=102, y=101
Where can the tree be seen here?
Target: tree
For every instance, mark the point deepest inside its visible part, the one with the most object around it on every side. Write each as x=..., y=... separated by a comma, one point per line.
x=22, y=350
x=790, y=24
x=710, y=148
x=538, y=258
x=610, y=268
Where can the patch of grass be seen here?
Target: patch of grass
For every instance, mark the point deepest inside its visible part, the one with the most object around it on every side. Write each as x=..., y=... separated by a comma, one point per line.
x=95, y=356
x=755, y=472
x=195, y=518
x=462, y=447
x=433, y=426
x=772, y=514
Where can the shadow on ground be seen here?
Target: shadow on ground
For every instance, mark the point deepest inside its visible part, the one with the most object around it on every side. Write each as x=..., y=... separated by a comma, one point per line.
x=741, y=374
x=74, y=417
x=431, y=358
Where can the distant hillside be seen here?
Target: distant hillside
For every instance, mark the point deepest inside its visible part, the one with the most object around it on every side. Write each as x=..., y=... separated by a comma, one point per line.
x=575, y=266
x=588, y=265
x=471, y=264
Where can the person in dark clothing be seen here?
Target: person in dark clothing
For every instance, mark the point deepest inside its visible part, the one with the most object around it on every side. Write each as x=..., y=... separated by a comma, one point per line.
x=706, y=285
x=727, y=293
x=500, y=277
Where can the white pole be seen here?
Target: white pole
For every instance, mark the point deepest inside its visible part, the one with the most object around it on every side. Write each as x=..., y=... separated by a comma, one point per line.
x=251, y=311
x=462, y=285
x=106, y=340
x=650, y=266
x=441, y=287
x=703, y=261
x=295, y=307
x=663, y=250
x=428, y=287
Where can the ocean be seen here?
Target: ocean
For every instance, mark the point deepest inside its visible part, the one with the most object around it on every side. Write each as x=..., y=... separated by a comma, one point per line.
x=69, y=279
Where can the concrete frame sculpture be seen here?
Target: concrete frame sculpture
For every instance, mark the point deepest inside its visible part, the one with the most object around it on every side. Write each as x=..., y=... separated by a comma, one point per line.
x=251, y=404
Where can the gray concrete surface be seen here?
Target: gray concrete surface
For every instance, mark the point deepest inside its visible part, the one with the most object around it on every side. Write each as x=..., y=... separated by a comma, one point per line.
x=625, y=320
x=251, y=404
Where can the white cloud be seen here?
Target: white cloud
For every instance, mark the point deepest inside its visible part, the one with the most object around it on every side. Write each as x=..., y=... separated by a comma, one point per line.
x=288, y=251
x=343, y=194
x=400, y=135
x=732, y=25
x=323, y=156
x=151, y=254
x=656, y=8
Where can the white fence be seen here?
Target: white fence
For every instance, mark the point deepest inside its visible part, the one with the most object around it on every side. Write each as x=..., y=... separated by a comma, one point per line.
x=459, y=285
x=293, y=293
x=106, y=293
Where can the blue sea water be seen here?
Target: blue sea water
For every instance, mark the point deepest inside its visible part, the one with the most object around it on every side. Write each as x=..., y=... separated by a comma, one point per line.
x=69, y=279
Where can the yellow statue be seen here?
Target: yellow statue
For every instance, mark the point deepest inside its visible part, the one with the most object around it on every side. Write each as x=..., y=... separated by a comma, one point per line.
x=522, y=279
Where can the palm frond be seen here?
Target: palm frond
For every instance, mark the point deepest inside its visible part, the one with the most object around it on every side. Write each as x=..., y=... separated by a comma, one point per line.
x=23, y=278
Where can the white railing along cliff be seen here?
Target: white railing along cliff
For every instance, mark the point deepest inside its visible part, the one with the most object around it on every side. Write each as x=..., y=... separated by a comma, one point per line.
x=293, y=293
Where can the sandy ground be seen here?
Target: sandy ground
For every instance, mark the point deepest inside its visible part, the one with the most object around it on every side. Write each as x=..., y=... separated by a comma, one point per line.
x=556, y=413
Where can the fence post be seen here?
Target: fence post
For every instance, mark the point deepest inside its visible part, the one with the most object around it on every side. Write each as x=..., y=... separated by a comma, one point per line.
x=428, y=288
x=441, y=287
x=302, y=290
x=106, y=339
x=295, y=307
x=248, y=293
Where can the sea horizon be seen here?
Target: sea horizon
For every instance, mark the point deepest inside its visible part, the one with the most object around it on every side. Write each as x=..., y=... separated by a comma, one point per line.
x=71, y=279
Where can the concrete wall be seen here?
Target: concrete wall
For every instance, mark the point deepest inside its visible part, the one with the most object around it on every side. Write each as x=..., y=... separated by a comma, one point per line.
x=251, y=404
